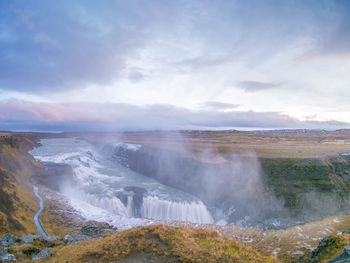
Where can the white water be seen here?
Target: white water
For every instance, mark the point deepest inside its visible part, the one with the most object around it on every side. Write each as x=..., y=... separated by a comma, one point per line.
x=99, y=180
x=153, y=207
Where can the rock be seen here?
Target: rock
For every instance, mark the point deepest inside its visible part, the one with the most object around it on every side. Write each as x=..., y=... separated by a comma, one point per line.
x=51, y=238
x=343, y=258
x=123, y=196
x=72, y=239
x=45, y=253
x=137, y=198
x=346, y=231
x=28, y=239
x=3, y=251
x=135, y=189
x=8, y=240
x=347, y=250
x=96, y=229
x=7, y=258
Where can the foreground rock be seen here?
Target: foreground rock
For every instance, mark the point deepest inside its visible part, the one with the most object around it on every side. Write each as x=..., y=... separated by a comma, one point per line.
x=29, y=239
x=3, y=251
x=8, y=240
x=42, y=254
x=331, y=249
x=72, y=239
x=95, y=229
x=90, y=230
x=51, y=239
x=7, y=258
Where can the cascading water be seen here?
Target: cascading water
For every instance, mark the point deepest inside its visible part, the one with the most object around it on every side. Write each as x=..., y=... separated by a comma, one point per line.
x=103, y=183
x=195, y=211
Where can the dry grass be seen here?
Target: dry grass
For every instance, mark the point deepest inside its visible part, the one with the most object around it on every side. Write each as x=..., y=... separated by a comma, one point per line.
x=170, y=244
x=18, y=203
x=288, y=244
x=296, y=144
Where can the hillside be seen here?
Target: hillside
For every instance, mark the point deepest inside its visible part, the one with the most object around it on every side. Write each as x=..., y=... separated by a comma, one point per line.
x=159, y=243
x=290, y=179
x=18, y=203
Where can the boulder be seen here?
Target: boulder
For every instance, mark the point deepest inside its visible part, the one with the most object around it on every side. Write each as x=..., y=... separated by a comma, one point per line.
x=8, y=240
x=7, y=258
x=51, y=238
x=28, y=239
x=95, y=229
x=45, y=253
x=72, y=239
x=3, y=251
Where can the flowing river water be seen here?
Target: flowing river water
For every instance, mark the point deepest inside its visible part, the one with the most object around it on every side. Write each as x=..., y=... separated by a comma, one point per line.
x=104, y=190
x=36, y=219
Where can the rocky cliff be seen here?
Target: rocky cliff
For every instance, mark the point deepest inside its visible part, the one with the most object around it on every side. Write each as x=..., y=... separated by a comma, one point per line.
x=263, y=189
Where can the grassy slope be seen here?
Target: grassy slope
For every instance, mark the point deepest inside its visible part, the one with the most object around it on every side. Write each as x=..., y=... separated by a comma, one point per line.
x=165, y=243
x=18, y=203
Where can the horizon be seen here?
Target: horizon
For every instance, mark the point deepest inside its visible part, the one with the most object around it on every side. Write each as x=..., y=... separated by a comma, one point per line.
x=164, y=65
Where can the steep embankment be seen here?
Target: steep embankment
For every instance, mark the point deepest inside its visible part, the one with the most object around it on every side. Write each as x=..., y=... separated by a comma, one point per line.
x=18, y=203
x=313, y=188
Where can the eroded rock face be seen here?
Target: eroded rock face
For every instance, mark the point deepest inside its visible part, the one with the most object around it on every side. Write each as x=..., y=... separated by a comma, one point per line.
x=137, y=198
x=306, y=189
x=137, y=194
x=55, y=174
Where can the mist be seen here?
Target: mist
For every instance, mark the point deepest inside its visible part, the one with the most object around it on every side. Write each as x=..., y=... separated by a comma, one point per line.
x=231, y=186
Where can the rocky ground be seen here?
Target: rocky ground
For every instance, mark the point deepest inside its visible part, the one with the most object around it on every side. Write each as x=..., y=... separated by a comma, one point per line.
x=34, y=247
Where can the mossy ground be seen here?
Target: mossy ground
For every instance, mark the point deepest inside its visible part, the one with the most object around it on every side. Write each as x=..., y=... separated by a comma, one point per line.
x=329, y=248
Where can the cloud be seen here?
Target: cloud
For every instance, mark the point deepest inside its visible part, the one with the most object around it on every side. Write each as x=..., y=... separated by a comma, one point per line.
x=103, y=117
x=255, y=86
x=64, y=45
x=45, y=41
x=136, y=76
x=200, y=62
x=217, y=105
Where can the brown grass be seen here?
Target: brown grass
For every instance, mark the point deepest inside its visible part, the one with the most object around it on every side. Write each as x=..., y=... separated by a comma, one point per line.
x=18, y=203
x=266, y=145
x=171, y=244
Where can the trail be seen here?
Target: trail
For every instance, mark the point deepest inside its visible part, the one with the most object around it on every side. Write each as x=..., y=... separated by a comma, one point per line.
x=38, y=225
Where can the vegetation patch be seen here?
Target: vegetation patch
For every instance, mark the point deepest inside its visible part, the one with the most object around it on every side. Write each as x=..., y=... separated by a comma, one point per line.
x=171, y=244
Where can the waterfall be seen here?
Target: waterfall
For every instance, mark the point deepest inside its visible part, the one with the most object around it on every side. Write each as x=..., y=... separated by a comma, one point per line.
x=111, y=204
x=194, y=211
x=115, y=189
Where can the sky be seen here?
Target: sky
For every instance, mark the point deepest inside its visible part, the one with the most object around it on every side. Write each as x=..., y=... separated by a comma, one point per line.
x=184, y=64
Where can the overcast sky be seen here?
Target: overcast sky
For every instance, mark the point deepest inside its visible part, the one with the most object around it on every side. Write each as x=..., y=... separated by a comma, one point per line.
x=144, y=64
